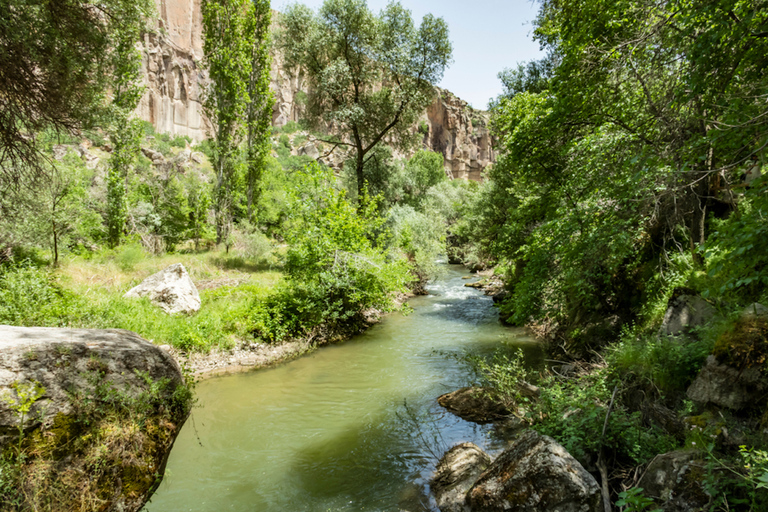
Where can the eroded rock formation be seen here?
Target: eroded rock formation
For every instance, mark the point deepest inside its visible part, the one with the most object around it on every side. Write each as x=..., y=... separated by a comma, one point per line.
x=175, y=82
x=172, y=73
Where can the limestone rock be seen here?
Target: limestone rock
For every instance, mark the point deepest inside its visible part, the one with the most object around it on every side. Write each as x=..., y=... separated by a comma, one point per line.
x=175, y=82
x=673, y=480
x=535, y=474
x=456, y=472
x=72, y=368
x=477, y=405
x=725, y=386
x=309, y=150
x=171, y=289
x=460, y=133
x=685, y=312
x=755, y=310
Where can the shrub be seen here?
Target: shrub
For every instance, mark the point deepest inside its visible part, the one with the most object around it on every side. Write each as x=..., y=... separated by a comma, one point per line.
x=335, y=271
x=30, y=296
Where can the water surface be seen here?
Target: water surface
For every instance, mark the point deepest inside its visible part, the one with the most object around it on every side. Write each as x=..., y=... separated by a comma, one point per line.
x=351, y=427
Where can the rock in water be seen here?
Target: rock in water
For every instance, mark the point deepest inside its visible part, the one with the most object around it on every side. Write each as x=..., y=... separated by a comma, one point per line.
x=457, y=470
x=478, y=405
x=171, y=289
x=535, y=474
x=94, y=411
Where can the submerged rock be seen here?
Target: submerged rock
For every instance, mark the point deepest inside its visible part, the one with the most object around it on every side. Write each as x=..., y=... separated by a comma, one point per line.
x=456, y=472
x=95, y=411
x=171, y=289
x=535, y=474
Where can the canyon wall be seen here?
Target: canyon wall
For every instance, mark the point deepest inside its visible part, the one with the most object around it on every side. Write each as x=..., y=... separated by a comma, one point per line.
x=175, y=81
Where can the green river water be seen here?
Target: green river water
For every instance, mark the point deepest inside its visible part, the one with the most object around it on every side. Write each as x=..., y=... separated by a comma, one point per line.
x=352, y=427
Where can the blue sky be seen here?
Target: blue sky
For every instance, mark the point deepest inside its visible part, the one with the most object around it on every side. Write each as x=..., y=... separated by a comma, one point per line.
x=487, y=36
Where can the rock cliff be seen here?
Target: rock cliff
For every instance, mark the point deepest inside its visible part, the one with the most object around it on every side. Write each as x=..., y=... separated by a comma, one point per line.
x=175, y=80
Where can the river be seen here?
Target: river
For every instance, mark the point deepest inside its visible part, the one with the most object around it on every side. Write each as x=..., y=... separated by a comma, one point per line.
x=350, y=427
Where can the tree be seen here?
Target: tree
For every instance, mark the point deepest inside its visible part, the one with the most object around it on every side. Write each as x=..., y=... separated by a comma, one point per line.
x=54, y=73
x=259, y=109
x=234, y=39
x=370, y=75
x=123, y=126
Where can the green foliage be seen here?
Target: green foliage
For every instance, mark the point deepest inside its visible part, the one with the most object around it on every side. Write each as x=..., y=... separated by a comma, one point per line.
x=124, y=129
x=737, y=483
x=574, y=412
x=128, y=256
x=236, y=102
x=335, y=271
x=737, y=251
x=27, y=393
x=30, y=296
x=615, y=147
x=659, y=364
x=632, y=500
x=58, y=65
x=372, y=75
x=420, y=236
x=259, y=109
x=503, y=374
x=57, y=213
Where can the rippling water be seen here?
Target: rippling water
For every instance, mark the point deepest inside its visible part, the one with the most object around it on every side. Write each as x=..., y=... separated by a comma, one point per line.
x=352, y=427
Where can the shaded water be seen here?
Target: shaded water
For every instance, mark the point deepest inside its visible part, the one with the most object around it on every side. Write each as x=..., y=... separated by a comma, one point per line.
x=351, y=427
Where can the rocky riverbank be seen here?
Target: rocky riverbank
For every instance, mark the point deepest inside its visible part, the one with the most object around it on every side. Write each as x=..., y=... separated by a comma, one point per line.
x=87, y=418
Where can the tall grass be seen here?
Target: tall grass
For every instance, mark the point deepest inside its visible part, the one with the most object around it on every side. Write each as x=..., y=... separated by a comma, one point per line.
x=89, y=293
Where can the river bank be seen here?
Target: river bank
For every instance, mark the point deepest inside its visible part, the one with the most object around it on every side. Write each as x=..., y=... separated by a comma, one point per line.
x=352, y=427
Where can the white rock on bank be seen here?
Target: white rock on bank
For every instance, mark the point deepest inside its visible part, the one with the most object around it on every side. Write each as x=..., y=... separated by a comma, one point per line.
x=171, y=289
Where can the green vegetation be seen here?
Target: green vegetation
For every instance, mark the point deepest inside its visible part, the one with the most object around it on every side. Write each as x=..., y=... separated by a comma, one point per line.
x=371, y=75
x=236, y=56
x=116, y=438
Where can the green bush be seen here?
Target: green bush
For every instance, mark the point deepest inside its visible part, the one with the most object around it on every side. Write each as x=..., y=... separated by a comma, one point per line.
x=658, y=364
x=574, y=411
x=335, y=271
x=30, y=296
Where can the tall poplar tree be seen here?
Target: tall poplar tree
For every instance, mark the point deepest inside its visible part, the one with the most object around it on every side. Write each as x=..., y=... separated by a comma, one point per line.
x=236, y=56
x=123, y=126
x=259, y=109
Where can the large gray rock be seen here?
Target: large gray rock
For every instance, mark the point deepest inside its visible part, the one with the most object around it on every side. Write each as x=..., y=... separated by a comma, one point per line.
x=478, y=405
x=673, y=480
x=725, y=386
x=535, y=474
x=171, y=289
x=456, y=472
x=684, y=313
x=104, y=408
x=754, y=311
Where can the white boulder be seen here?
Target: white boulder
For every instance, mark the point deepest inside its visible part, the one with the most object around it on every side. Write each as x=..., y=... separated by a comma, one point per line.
x=171, y=289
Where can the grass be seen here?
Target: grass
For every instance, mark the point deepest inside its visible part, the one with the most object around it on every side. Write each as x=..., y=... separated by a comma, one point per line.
x=89, y=293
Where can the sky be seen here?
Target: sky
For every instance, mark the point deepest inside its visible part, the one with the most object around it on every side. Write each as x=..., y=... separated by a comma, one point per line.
x=487, y=36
